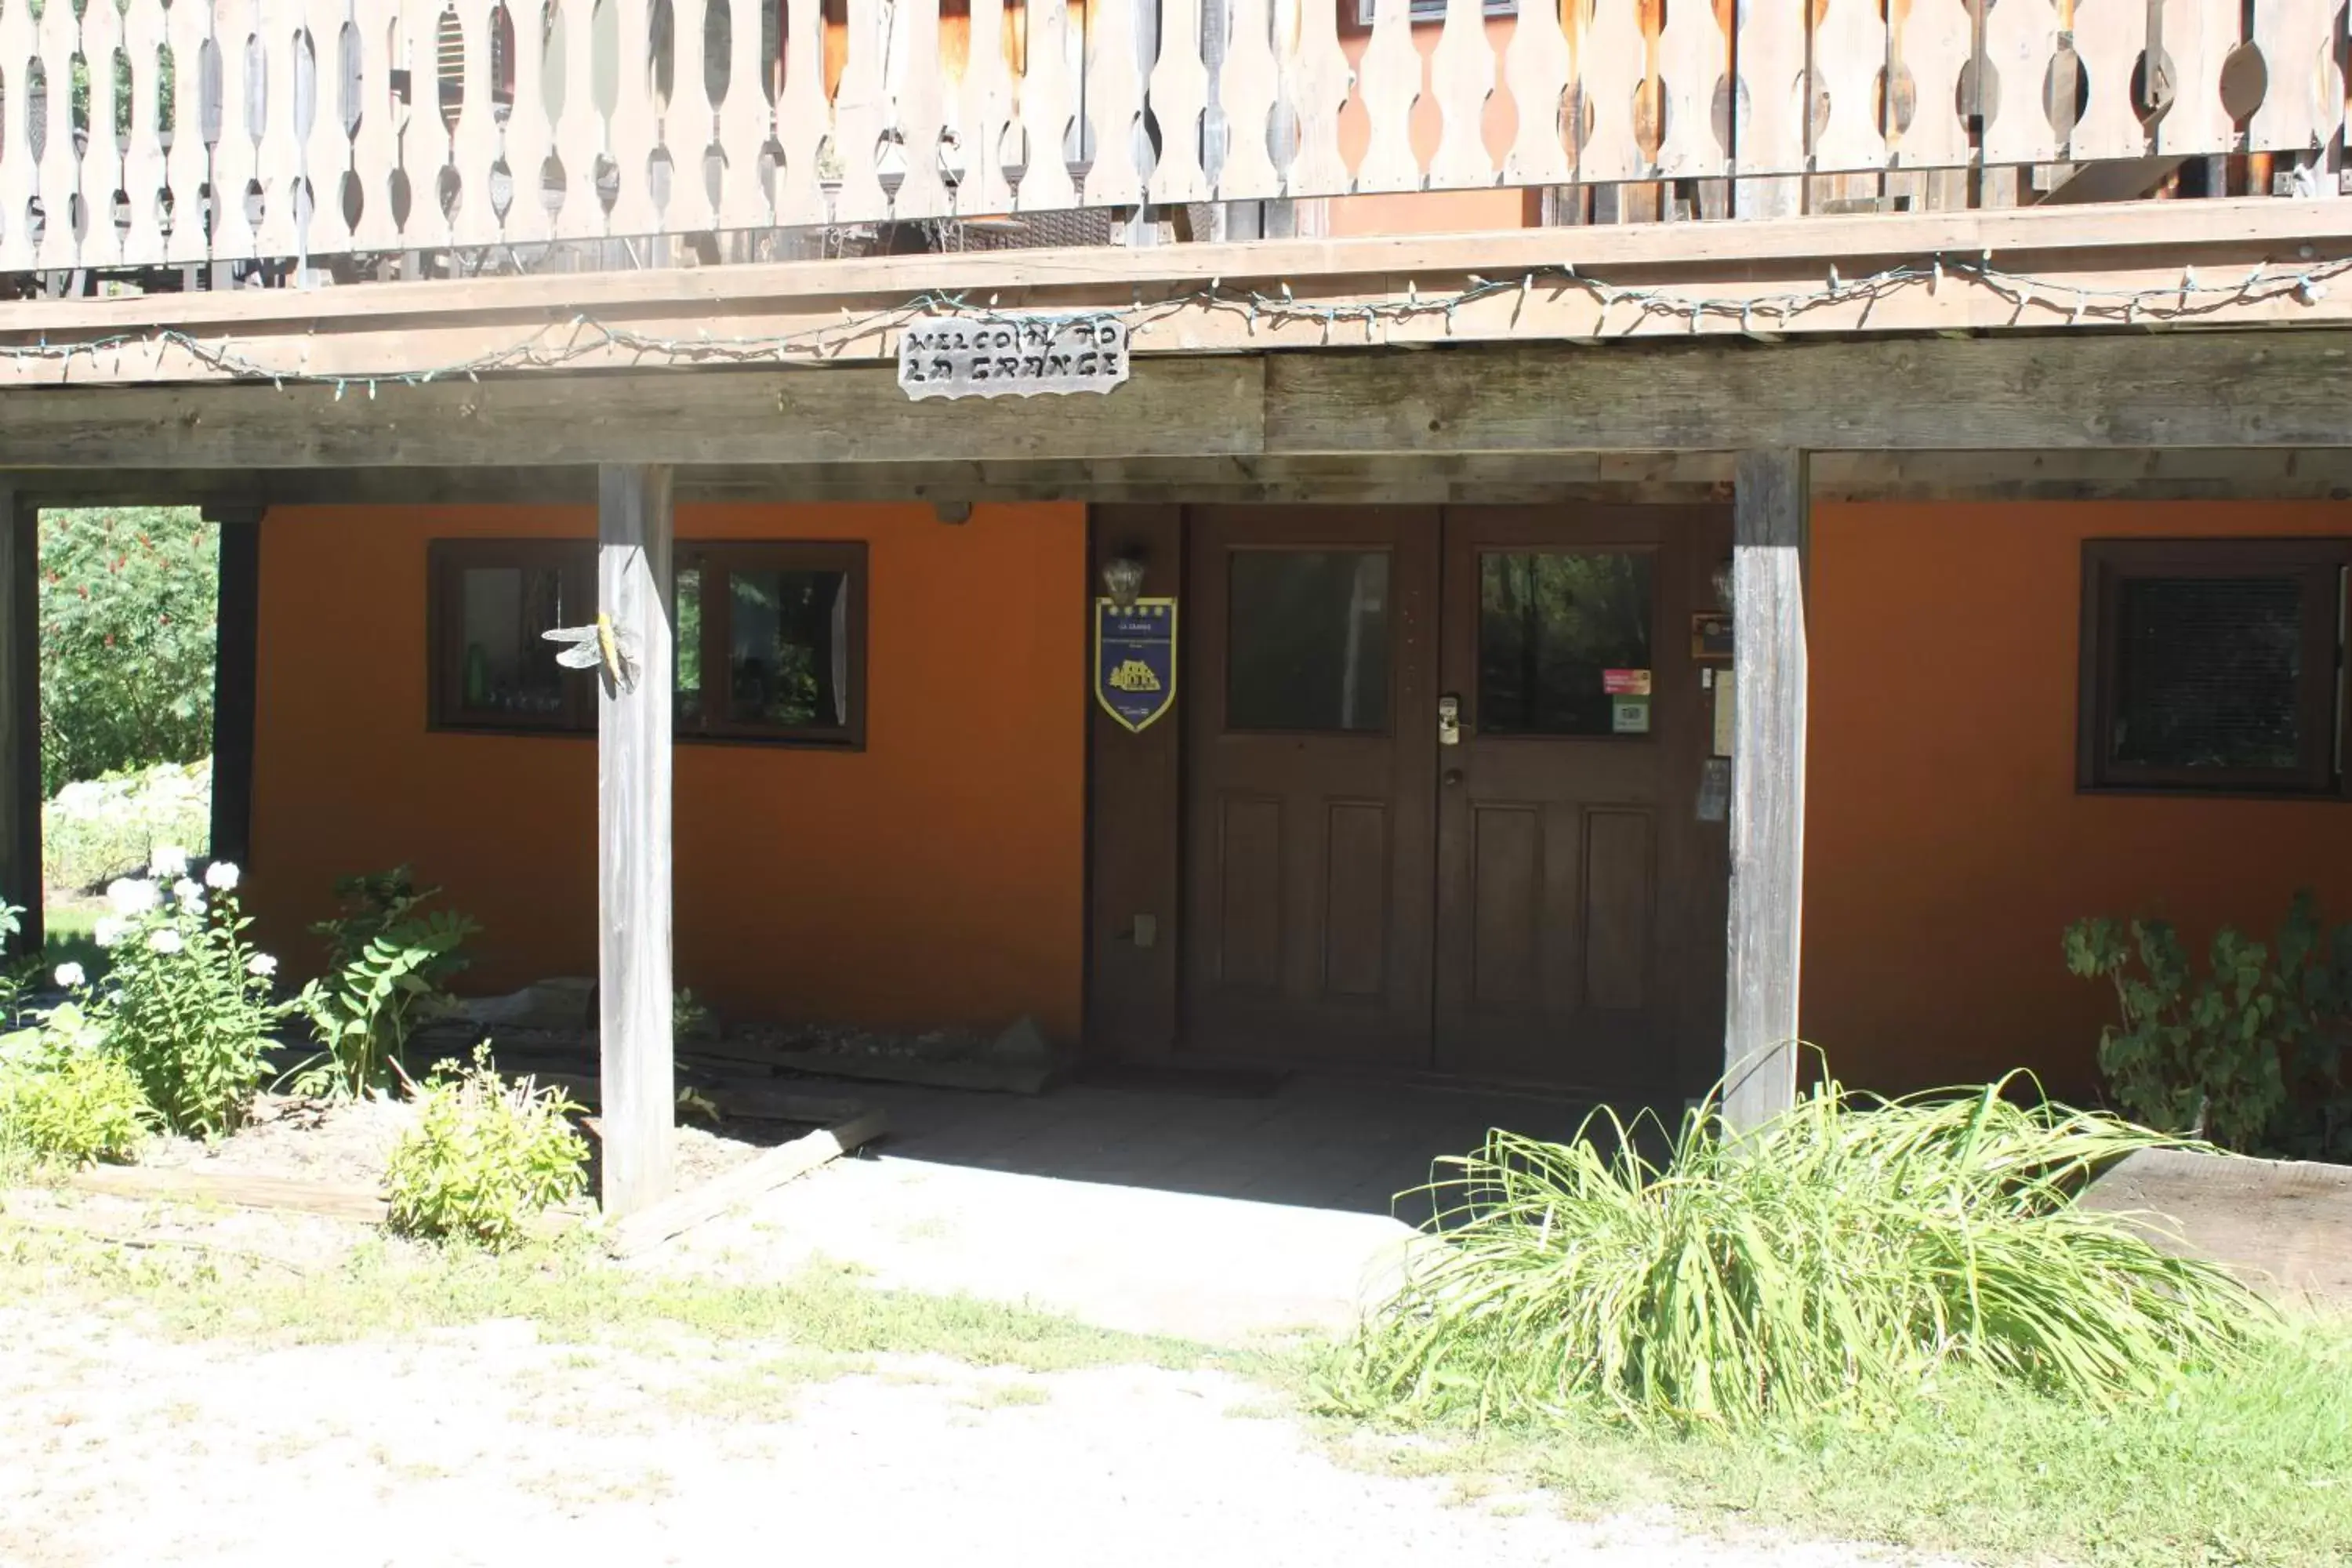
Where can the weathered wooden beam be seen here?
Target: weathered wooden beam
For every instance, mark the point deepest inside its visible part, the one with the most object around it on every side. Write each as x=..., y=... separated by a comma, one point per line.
x=2186, y=389
x=20, y=716
x=235, y=679
x=1768, y=793
x=374, y=329
x=284, y=1192
x=1434, y=478
x=2023, y=393
x=633, y=856
x=1171, y=407
x=2146, y=473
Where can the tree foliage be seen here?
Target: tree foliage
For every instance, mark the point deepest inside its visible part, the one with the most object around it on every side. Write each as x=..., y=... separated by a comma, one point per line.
x=128, y=600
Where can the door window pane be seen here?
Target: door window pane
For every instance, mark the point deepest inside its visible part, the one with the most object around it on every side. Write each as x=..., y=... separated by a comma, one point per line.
x=788, y=649
x=2207, y=672
x=508, y=669
x=1550, y=628
x=1307, y=640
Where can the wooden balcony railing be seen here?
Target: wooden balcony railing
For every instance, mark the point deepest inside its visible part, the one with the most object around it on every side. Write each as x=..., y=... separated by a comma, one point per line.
x=139, y=134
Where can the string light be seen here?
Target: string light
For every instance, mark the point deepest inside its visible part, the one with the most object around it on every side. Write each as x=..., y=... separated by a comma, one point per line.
x=578, y=337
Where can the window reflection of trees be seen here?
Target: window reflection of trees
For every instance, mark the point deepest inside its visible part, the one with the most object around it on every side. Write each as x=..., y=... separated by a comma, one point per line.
x=1549, y=626
x=785, y=635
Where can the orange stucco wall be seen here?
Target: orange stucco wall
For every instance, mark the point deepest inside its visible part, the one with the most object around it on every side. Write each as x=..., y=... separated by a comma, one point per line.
x=934, y=878
x=1945, y=844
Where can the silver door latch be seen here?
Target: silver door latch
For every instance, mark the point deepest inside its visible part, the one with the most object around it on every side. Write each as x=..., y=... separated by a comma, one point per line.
x=1449, y=720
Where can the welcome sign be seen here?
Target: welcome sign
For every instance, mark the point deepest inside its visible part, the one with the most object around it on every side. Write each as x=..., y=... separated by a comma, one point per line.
x=1006, y=356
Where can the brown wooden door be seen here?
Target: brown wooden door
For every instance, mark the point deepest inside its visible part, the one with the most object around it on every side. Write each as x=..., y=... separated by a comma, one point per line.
x=1568, y=856
x=1311, y=762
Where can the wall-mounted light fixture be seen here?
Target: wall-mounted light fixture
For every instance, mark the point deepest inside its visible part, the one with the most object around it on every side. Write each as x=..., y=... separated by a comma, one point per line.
x=1123, y=579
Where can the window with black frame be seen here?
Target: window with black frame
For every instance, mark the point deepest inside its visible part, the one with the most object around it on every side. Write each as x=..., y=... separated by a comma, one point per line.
x=2213, y=665
x=770, y=639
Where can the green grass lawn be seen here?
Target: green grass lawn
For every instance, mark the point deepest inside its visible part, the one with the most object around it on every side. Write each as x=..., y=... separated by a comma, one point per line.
x=568, y=1288
x=69, y=934
x=2251, y=1469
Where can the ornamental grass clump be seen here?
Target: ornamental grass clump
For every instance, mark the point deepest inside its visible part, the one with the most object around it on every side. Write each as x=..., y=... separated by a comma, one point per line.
x=1840, y=1259
x=486, y=1156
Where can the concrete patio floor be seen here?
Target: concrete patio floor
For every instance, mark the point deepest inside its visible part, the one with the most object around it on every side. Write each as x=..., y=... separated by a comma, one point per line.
x=1218, y=1218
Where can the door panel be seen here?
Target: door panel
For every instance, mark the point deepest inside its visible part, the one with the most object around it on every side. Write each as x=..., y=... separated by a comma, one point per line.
x=1310, y=767
x=1576, y=700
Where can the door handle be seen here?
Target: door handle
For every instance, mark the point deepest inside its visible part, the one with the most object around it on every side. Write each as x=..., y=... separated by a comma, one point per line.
x=1449, y=720
x=1453, y=776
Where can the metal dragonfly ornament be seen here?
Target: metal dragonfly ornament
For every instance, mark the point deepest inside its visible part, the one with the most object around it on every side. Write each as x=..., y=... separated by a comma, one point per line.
x=601, y=646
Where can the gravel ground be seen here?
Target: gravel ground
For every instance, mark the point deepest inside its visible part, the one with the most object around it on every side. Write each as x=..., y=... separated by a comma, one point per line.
x=487, y=1448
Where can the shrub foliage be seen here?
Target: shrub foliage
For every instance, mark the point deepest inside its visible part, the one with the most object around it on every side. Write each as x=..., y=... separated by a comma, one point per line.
x=128, y=600
x=485, y=1156
x=391, y=964
x=65, y=1098
x=2252, y=1053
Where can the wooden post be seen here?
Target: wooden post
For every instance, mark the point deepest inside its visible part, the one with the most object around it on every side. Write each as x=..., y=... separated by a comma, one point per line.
x=633, y=829
x=20, y=714
x=1771, y=511
x=235, y=671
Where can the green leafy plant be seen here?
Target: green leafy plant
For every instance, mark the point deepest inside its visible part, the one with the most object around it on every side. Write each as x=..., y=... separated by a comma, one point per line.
x=185, y=1002
x=127, y=605
x=2240, y=1054
x=12, y=971
x=65, y=1097
x=689, y=1018
x=487, y=1154
x=390, y=963
x=1838, y=1259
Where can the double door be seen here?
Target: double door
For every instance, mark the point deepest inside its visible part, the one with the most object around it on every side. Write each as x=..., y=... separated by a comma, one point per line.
x=1443, y=777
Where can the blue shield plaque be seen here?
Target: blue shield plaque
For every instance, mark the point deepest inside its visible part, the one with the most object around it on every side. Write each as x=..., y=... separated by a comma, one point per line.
x=1135, y=660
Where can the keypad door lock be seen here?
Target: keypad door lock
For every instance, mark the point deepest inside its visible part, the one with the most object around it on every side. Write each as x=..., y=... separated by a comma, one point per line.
x=1449, y=720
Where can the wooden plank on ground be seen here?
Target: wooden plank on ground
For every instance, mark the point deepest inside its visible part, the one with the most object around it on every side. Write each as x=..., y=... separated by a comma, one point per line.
x=1770, y=506
x=649, y=1228
x=633, y=852
x=165, y=1186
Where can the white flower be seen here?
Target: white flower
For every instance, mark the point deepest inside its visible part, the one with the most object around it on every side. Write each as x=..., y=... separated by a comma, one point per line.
x=69, y=975
x=110, y=932
x=171, y=860
x=262, y=964
x=221, y=876
x=166, y=941
x=132, y=895
x=189, y=893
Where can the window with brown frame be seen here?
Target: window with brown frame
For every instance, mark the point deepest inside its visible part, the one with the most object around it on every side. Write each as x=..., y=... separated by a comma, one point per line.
x=770, y=639
x=2213, y=665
